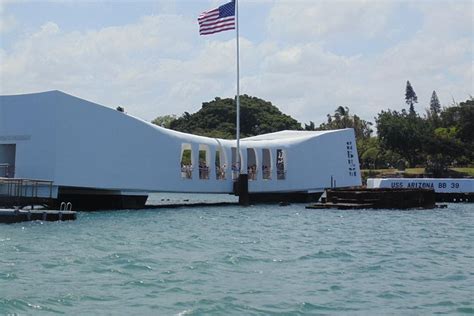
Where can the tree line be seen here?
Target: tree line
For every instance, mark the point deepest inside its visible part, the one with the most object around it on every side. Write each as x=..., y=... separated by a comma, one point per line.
x=437, y=139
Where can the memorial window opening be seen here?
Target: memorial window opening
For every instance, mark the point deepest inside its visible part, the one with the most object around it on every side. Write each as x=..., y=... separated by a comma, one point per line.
x=221, y=164
x=204, y=162
x=186, y=161
x=266, y=164
x=281, y=164
x=251, y=164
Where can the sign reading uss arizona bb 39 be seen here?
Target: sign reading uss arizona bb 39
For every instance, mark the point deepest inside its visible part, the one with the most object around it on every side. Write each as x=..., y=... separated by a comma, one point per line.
x=438, y=185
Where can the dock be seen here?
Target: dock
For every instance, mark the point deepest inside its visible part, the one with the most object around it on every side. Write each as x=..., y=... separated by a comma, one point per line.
x=16, y=216
x=19, y=192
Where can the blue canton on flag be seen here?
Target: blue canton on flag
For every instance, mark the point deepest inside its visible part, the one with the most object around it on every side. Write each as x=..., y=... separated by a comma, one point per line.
x=217, y=20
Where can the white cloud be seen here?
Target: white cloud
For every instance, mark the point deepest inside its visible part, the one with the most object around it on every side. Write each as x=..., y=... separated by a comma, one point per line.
x=7, y=21
x=158, y=65
x=435, y=55
x=310, y=20
x=111, y=65
x=447, y=18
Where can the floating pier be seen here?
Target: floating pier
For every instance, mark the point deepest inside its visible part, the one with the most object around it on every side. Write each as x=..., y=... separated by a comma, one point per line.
x=16, y=193
x=361, y=198
x=16, y=216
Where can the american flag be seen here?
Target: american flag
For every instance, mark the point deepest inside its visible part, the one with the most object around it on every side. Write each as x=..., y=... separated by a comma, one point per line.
x=217, y=20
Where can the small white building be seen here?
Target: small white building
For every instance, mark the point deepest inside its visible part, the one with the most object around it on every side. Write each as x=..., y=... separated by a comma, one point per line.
x=91, y=150
x=439, y=185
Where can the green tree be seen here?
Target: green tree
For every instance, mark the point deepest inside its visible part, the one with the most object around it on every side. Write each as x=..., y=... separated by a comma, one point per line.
x=410, y=98
x=442, y=149
x=450, y=142
x=457, y=127
x=434, y=111
x=343, y=119
x=402, y=133
x=217, y=118
x=369, y=152
x=310, y=126
x=164, y=121
x=435, y=106
x=462, y=117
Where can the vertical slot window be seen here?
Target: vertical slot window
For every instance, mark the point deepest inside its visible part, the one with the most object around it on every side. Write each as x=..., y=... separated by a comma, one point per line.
x=220, y=164
x=204, y=161
x=281, y=164
x=251, y=164
x=186, y=161
x=235, y=166
x=266, y=164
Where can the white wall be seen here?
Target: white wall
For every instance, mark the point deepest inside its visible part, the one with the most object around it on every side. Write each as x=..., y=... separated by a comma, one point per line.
x=310, y=164
x=29, y=123
x=81, y=144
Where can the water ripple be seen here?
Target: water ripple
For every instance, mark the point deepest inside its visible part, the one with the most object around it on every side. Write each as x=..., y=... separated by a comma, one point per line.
x=260, y=260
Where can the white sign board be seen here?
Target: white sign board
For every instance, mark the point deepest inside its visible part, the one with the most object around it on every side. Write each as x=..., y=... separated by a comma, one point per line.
x=438, y=185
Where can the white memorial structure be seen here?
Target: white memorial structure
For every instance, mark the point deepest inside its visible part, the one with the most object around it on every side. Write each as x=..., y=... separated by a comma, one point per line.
x=96, y=154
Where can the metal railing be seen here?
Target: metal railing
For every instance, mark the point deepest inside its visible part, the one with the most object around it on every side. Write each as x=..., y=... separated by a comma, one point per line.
x=14, y=187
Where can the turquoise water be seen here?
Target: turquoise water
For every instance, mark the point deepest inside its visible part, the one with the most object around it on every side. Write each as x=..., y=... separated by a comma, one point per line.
x=259, y=260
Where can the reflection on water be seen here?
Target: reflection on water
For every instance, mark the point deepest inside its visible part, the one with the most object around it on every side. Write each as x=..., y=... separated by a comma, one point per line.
x=256, y=260
x=189, y=198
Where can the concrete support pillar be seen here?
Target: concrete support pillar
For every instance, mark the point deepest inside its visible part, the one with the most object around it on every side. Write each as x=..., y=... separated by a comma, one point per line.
x=243, y=189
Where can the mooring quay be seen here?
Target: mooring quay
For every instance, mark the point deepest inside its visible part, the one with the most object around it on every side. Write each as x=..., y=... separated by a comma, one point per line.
x=16, y=194
x=16, y=216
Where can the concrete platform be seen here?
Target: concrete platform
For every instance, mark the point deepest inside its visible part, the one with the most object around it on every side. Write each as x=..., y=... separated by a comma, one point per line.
x=15, y=216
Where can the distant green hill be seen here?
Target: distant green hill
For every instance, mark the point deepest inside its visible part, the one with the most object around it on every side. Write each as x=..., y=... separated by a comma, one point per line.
x=217, y=119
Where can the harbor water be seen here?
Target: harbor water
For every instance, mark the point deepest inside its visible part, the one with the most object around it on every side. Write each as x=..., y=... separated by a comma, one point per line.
x=231, y=260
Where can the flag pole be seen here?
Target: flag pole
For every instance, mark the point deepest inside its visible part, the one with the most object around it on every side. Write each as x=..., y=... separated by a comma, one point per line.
x=238, y=88
x=242, y=182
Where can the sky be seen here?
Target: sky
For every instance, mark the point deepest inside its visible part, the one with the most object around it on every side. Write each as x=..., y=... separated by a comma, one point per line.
x=305, y=56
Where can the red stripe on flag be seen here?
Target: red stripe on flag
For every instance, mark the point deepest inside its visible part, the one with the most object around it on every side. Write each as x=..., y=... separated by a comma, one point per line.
x=217, y=25
x=228, y=19
x=217, y=20
x=217, y=31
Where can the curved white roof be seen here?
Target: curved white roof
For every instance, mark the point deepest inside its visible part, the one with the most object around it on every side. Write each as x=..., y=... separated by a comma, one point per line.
x=77, y=143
